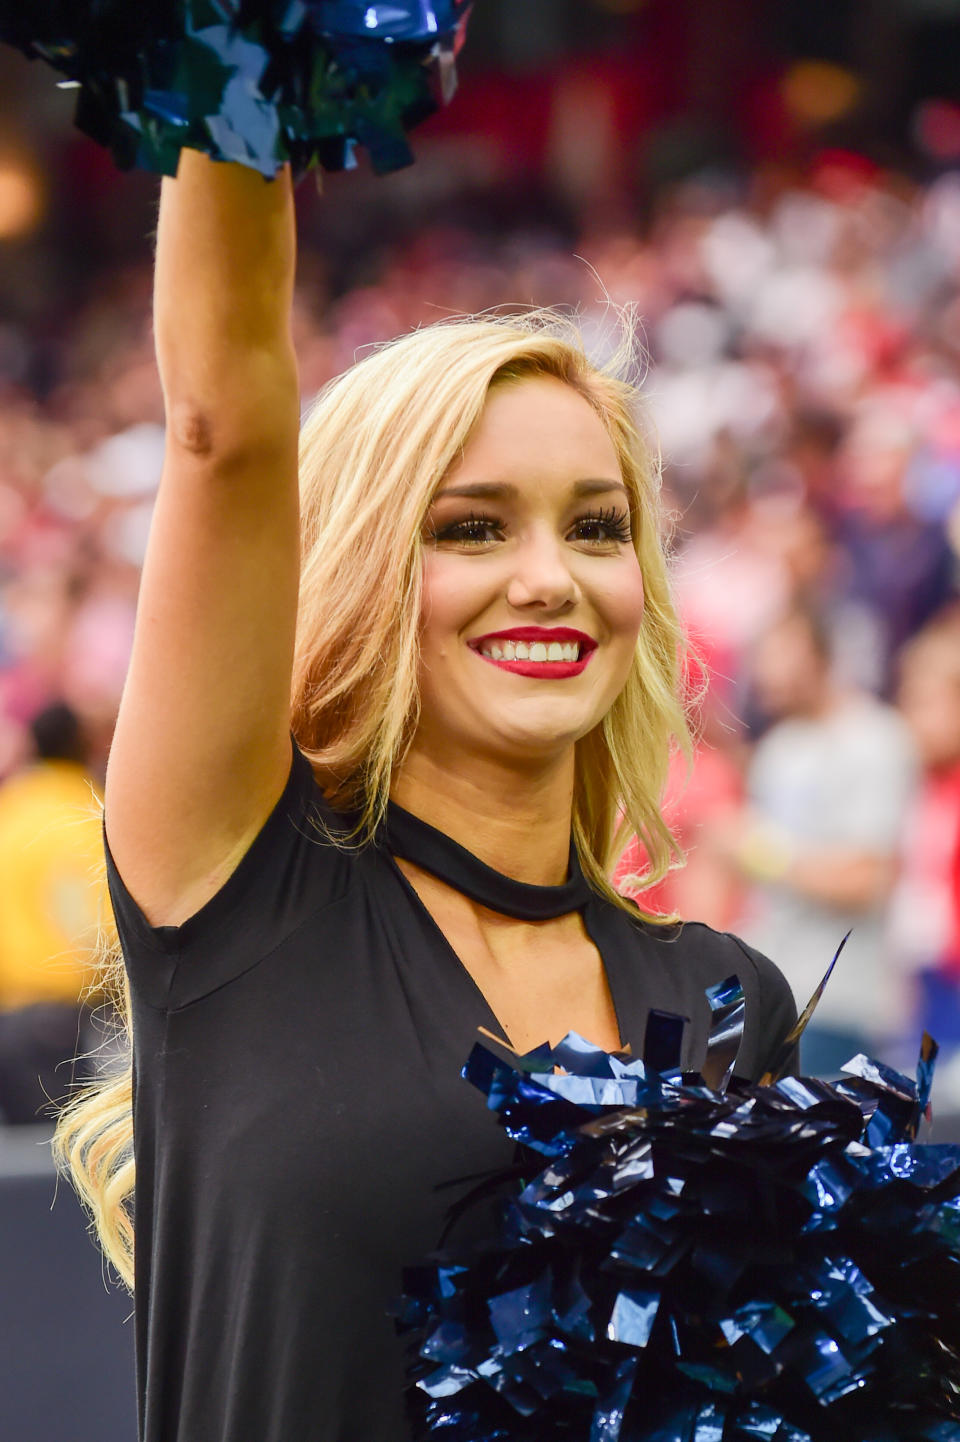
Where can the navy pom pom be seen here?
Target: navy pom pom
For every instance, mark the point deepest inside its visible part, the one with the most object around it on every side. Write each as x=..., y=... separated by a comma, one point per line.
x=261, y=82
x=699, y=1264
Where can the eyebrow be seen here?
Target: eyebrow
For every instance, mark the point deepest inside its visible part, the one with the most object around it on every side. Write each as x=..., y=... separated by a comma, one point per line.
x=501, y=491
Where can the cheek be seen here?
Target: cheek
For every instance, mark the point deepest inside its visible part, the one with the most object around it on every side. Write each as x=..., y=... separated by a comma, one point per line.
x=449, y=600
x=435, y=601
x=622, y=602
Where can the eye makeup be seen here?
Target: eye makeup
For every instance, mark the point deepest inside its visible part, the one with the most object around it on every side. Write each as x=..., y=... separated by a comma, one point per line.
x=610, y=524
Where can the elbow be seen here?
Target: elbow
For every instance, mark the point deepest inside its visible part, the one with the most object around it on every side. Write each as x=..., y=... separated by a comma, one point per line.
x=215, y=430
x=191, y=430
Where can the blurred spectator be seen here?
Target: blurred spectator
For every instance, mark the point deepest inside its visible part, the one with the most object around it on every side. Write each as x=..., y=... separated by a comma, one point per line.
x=926, y=916
x=52, y=906
x=730, y=583
x=902, y=566
x=828, y=788
x=810, y=453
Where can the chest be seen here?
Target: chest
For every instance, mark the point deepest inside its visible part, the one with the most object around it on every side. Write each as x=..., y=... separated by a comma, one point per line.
x=539, y=980
x=328, y=1075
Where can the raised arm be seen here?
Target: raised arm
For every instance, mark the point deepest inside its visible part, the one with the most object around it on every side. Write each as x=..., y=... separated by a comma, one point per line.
x=201, y=749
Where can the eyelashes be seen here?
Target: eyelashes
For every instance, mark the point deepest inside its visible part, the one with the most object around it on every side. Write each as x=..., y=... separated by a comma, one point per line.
x=614, y=522
x=474, y=530
x=603, y=526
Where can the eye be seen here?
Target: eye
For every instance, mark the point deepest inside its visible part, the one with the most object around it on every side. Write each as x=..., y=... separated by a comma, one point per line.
x=473, y=531
x=603, y=527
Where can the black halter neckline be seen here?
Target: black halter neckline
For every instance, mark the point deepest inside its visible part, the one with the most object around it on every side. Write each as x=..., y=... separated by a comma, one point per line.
x=406, y=836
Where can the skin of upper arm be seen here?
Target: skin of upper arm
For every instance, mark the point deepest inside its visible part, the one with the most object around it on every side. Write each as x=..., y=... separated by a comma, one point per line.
x=201, y=750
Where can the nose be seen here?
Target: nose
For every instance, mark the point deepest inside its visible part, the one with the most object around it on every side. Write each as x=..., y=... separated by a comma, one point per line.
x=541, y=577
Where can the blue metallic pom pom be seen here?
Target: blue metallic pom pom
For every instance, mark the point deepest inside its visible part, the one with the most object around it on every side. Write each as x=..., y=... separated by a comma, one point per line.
x=693, y=1258
x=261, y=82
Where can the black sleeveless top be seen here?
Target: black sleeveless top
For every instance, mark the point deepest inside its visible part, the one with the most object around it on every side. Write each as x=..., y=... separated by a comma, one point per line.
x=299, y=1114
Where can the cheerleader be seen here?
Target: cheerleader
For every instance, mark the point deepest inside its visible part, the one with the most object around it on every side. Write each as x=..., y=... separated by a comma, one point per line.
x=384, y=736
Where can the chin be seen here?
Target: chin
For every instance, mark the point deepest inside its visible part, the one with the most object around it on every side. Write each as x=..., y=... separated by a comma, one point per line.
x=531, y=730
x=535, y=741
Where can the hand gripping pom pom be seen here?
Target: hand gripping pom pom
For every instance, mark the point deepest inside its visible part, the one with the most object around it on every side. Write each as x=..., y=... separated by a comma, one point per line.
x=698, y=1264
x=261, y=82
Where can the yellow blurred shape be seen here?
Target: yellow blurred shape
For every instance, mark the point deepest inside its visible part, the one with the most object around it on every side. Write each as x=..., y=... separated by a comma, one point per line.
x=54, y=905
x=21, y=199
x=816, y=92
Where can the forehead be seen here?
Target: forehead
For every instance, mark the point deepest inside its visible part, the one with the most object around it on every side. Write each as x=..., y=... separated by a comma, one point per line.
x=537, y=431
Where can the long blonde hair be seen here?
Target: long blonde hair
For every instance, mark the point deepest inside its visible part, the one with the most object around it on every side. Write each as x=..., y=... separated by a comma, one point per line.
x=374, y=447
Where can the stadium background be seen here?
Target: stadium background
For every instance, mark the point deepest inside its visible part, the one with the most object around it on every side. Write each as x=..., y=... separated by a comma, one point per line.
x=775, y=186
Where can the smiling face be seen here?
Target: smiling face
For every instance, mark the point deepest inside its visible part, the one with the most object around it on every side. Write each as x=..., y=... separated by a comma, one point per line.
x=532, y=591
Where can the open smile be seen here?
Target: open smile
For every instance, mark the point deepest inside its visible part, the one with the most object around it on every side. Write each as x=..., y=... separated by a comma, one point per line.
x=548, y=652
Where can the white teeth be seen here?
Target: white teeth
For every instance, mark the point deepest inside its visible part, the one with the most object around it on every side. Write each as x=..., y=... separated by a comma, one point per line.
x=533, y=651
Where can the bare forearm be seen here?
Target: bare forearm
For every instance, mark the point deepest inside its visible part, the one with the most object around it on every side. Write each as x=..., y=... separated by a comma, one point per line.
x=857, y=881
x=226, y=255
x=846, y=877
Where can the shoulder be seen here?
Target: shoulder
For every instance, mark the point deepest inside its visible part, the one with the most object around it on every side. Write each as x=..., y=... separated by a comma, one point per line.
x=302, y=834
x=300, y=863
x=711, y=956
x=681, y=962
x=301, y=826
x=784, y=740
x=861, y=732
x=771, y=1009
x=695, y=941
x=871, y=736
x=768, y=977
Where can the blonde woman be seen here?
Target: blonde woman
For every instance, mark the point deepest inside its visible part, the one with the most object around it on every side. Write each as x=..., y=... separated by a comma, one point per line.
x=471, y=604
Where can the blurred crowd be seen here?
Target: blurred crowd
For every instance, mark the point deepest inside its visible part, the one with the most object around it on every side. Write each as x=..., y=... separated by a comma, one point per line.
x=802, y=378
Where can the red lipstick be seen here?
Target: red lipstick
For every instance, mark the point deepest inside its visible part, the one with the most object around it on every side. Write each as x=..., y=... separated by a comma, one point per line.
x=535, y=636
